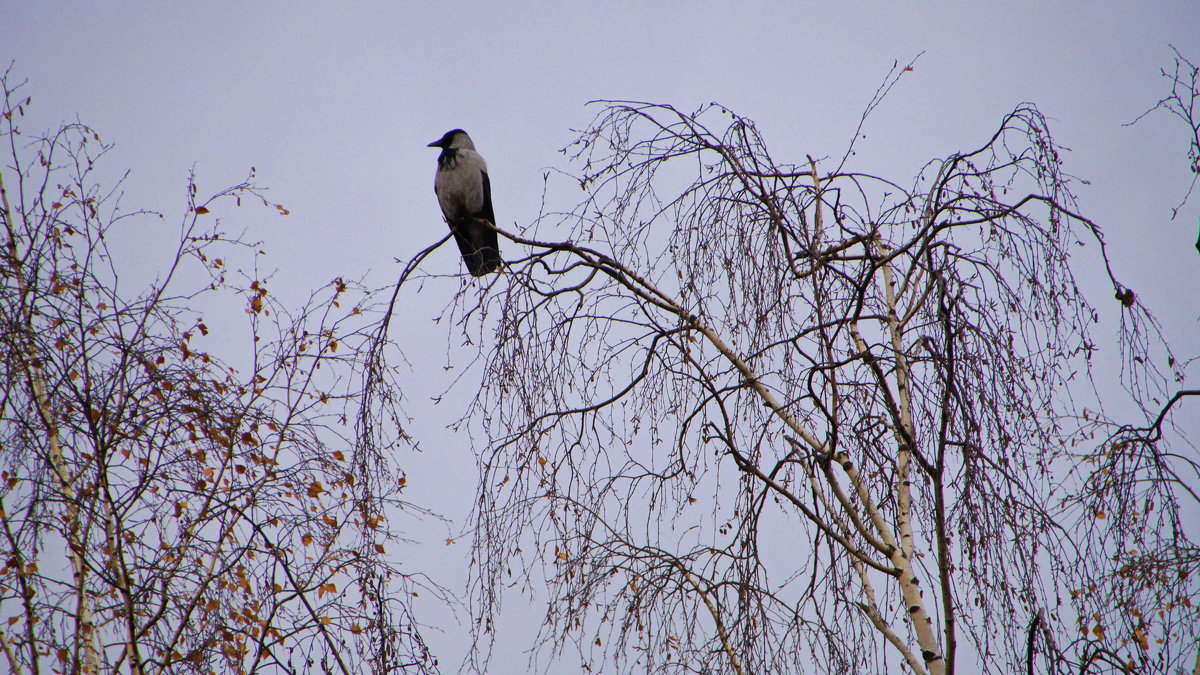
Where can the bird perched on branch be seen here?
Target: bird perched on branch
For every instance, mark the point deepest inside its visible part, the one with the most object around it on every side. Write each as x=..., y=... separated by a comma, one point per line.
x=465, y=195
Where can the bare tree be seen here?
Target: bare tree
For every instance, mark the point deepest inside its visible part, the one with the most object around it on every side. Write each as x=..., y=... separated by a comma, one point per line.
x=1182, y=102
x=751, y=416
x=1153, y=556
x=163, y=511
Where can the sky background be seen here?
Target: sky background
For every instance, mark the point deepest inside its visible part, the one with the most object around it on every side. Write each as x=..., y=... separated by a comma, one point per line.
x=333, y=103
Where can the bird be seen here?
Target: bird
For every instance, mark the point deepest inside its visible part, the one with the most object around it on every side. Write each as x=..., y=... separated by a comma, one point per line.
x=465, y=195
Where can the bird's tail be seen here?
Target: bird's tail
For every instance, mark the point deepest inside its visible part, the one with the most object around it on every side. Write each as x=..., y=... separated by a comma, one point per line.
x=482, y=261
x=478, y=244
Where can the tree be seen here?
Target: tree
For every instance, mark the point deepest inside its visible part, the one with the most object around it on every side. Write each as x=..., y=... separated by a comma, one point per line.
x=750, y=416
x=1181, y=103
x=162, y=510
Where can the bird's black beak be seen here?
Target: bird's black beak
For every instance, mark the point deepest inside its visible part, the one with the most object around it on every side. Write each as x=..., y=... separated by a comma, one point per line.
x=435, y=144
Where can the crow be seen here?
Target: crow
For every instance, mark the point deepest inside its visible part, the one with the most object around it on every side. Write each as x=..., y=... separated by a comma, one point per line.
x=465, y=195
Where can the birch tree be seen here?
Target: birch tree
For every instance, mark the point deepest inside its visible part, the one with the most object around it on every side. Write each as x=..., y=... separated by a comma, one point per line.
x=753, y=415
x=162, y=510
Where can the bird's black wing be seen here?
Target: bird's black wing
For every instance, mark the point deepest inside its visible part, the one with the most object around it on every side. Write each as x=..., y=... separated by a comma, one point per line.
x=486, y=241
x=486, y=211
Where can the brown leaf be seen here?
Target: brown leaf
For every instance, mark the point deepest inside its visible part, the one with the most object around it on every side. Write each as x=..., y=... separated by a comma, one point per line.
x=1140, y=636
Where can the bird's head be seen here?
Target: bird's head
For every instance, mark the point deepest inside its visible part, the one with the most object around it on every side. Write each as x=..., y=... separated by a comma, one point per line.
x=456, y=139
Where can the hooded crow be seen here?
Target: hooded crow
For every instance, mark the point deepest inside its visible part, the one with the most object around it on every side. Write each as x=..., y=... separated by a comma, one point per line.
x=465, y=195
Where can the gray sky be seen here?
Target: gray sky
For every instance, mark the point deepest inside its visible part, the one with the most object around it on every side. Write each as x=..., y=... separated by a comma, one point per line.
x=334, y=103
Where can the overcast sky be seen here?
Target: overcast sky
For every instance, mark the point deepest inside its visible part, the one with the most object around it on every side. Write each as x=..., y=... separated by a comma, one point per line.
x=335, y=102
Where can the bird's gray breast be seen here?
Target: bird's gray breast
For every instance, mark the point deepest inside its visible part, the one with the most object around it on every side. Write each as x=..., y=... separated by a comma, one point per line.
x=459, y=183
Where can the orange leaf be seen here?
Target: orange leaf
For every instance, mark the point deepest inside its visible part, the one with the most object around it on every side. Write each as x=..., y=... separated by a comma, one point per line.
x=201, y=210
x=379, y=548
